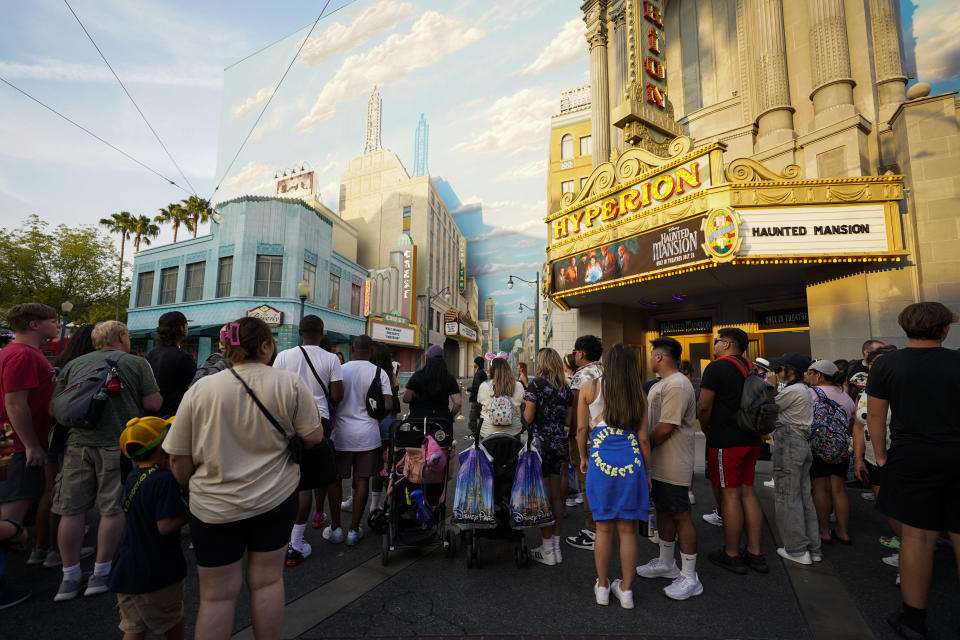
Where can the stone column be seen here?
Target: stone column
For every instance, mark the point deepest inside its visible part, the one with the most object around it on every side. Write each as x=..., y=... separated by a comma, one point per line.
x=773, y=91
x=830, y=58
x=618, y=83
x=891, y=83
x=594, y=15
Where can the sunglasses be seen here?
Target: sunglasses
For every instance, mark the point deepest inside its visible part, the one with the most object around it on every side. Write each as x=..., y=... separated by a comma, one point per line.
x=716, y=340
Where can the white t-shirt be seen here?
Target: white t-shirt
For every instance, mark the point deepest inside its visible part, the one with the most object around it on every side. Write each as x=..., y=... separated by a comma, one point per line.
x=326, y=364
x=355, y=430
x=484, y=395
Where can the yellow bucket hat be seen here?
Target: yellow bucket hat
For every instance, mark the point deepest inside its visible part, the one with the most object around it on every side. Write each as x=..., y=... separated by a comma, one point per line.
x=143, y=434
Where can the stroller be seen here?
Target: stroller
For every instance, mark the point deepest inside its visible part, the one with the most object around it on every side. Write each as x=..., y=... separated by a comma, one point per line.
x=414, y=511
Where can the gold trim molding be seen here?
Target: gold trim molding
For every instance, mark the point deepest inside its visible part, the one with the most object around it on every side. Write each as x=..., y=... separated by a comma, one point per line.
x=748, y=170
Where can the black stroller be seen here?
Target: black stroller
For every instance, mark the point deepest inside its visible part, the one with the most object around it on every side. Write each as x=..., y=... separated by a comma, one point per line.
x=414, y=511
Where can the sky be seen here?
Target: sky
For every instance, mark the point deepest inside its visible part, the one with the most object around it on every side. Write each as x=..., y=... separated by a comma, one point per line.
x=487, y=74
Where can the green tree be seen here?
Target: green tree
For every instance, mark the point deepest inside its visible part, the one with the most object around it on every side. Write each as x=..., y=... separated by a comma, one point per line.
x=39, y=264
x=122, y=223
x=199, y=210
x=143, y=230
x=177, y=215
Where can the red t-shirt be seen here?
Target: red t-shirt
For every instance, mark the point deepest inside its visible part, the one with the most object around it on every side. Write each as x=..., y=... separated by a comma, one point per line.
x=24, y=367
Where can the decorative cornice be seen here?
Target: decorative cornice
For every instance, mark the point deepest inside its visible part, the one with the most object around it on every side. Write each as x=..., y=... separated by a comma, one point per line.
x=744, y=170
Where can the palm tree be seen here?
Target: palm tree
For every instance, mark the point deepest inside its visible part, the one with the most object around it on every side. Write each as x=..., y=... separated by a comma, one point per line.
x=121, y=223
x=199, y=209
x=143, y=230
x=175, y=214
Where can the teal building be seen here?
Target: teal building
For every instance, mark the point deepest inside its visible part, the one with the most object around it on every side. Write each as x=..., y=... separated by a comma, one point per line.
x=257, y=253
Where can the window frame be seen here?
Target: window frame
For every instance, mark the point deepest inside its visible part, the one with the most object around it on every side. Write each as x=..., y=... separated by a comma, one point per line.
x=140, y=301
x=224, y=286
x=188, y=282
x=165, y=274
x=333, y=293
x=273, y=287
x=356, y=298
x=310, y=275
x=589, y=143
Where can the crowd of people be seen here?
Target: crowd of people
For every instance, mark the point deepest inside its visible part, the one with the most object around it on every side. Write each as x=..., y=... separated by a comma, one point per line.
x=166, y=452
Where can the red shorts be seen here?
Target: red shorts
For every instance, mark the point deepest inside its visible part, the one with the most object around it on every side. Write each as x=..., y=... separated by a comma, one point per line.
x=732, y=466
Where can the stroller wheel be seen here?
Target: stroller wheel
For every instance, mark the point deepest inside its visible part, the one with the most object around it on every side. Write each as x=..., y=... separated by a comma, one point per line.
x=385, y=549
x=378, y=520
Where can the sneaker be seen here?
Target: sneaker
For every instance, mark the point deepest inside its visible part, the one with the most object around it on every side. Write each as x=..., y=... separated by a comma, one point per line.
x=692, y=498
x=684, y=587
x=69, y=589
x=898, y=579
x=602, y=594
x=37, y=556
x=656, y=569
x=557, y=554
x=867, y=495
x=335, y=536
x=713, y=518
x=579, y=498
x=583, y=540
x=735, y=564
x=895, y=620
x=354, y=536
x=97, y=585
x=319, y=520
x=625, y=597
x=544, y=554
x=11, y=596
x=571, y=501
x=816, y=556
x=347, y=505
x=297, y=555
x=890, y=542
x=53, y=558
x=892, y=560
x=756, y=562
x=770, y=484
x=802, y=558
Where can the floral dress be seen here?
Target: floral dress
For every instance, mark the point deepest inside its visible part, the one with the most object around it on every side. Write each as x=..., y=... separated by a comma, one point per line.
x=549, y=423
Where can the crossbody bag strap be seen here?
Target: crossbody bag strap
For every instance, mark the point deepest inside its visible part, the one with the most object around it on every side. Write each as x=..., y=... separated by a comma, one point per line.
x=737, y=364
x=315, y=374
x=256, y=400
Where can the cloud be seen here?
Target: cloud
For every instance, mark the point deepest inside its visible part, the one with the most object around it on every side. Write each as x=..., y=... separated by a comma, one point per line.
x=534, y=169
x=62, y=71
x=253, y=104
x=469, y=204
x=497, y=267
x=339, y=39
x=515, y=122
x=938, y=48
x=391, y=62
x=567, y=47
x=517, y=229
x=253, y=178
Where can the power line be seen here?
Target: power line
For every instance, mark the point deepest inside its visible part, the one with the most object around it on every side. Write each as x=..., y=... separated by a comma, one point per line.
x=91, y=133
x=136, y=106
x=262, y=111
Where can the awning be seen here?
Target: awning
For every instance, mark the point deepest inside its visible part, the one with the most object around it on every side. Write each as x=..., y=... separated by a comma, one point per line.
x=197, y=331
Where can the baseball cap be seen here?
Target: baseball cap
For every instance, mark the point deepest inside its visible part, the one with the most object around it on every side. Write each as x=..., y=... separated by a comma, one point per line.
x=172, y=319
x=143, y=434
x=798, y=361
x=825, y=367
x=435, y=351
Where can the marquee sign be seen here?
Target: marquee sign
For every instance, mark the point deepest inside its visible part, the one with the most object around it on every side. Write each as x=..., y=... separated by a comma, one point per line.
x=408, y=281
x=814, y=230
x=402, y=335
x=271, y=316
x=462, y=266
x=296, y=186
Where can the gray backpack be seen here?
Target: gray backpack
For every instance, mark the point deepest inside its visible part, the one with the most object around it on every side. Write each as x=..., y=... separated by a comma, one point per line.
x=81, y=404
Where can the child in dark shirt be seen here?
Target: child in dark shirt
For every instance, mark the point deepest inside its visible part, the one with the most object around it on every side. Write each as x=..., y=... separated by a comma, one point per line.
x=149, y=570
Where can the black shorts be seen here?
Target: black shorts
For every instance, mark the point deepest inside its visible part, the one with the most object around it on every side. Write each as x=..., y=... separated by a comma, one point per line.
x=23, y=482
x=670, y=498
x=921, y=486
x=217, y=545
x=875, y=473
x=821, y=469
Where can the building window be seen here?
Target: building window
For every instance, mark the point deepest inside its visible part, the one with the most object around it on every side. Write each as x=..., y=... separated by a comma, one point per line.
x=583, y=182
x=566, y=186
x=310, y=275
x=355, y=299
x=406, y=219
x=268, y=277
x=193, y=287
x=224, y=276
x=168, y=285
x=586, y=145
x=334, y=301
x=566, y=147
x=144, y=288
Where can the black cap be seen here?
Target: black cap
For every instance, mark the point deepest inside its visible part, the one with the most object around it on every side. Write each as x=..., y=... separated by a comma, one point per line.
x=798, y=361
x=172, y=319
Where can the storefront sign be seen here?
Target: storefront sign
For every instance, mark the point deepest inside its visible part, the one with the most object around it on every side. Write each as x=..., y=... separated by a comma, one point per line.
x=654, y=67
x=296, y=186
x=459, y=330
x=389, y=317
x=468, y=333
x=663, y=248
x=462, y=266
x=686, y=326
x=450, y=328
x=367, y=289
x=783, y=319
x=394, y=334
x=272, y=317
x=408, y=281
x=814, y=230
x=683, y=180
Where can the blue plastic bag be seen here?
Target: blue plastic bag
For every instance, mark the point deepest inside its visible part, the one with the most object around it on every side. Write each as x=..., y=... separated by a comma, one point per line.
x=473, y=500
x=529, y=504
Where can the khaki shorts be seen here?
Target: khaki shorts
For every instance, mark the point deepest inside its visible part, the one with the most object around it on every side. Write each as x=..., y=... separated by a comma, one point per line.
x=89, y=475
x=156, y=612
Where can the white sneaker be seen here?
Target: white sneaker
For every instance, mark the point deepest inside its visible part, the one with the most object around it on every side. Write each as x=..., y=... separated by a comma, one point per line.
x=625, y=597
x=692, y=498
x=656, y=569
x=684, y=587
x=898, y=579
x=713, y=518
x=347, y=505
x=579, y=498
x=602, y=594
x=816, y=557
x=544, y=554
x=803, y=558
x=304, y=548
x=867, y=495
x=97, y=585
x=354, y=536
x=892, y=560
x=556, y=549
x=335, y=536
x=770, y=484
x=571, y=501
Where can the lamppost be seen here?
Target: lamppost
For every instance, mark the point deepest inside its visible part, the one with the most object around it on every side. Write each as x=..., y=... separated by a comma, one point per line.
x=66, y=308
x=430, y=298
x=303, y=291
x=536, y=307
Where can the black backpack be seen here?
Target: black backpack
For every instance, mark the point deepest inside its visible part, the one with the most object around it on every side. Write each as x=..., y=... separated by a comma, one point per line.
x=82, y=403
x=374, y=401
x=758, y=407
x=215, y=363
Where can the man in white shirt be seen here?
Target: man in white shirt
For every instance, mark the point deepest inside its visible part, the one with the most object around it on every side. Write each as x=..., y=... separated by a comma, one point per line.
x=357, y=436
x=323, y=378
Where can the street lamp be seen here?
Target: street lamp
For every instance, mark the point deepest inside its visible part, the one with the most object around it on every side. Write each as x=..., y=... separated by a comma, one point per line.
x=536, y=305
x=430, y=298
x=66, y=308
x=303, y=291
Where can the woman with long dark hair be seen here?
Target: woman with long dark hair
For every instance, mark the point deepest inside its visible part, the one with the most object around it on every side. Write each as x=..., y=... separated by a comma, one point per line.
x=80, y=343
x=613, y=408
x=431, y=390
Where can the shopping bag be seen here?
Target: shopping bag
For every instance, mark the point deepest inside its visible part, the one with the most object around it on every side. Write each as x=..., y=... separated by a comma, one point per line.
x=529, y=505
x=473, y=500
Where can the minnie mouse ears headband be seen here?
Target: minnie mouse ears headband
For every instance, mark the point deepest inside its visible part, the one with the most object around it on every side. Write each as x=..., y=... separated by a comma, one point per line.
x=494, y=356
x=231, y=333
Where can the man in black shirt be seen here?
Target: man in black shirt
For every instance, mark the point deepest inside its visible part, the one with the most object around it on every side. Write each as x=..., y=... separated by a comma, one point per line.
x=921, y=478
x=479, y=377
x=172, y=368
x=860, y=366
x=731, y=453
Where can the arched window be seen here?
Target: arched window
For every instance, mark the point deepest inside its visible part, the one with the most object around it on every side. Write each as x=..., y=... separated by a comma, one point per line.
x=566, y=147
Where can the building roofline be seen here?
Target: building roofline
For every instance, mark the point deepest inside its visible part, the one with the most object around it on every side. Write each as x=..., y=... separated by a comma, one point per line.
x=324, y=215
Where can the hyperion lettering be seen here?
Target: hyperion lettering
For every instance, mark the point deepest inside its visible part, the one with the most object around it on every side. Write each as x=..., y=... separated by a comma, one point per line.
x=654, y=69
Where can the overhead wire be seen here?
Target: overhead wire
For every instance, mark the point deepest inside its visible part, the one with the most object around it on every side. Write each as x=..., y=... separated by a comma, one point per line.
x=269, y=100
x=91, y=133
x=135, y=105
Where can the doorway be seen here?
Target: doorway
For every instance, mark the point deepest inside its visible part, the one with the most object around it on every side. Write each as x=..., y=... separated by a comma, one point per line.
x=697, y=348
